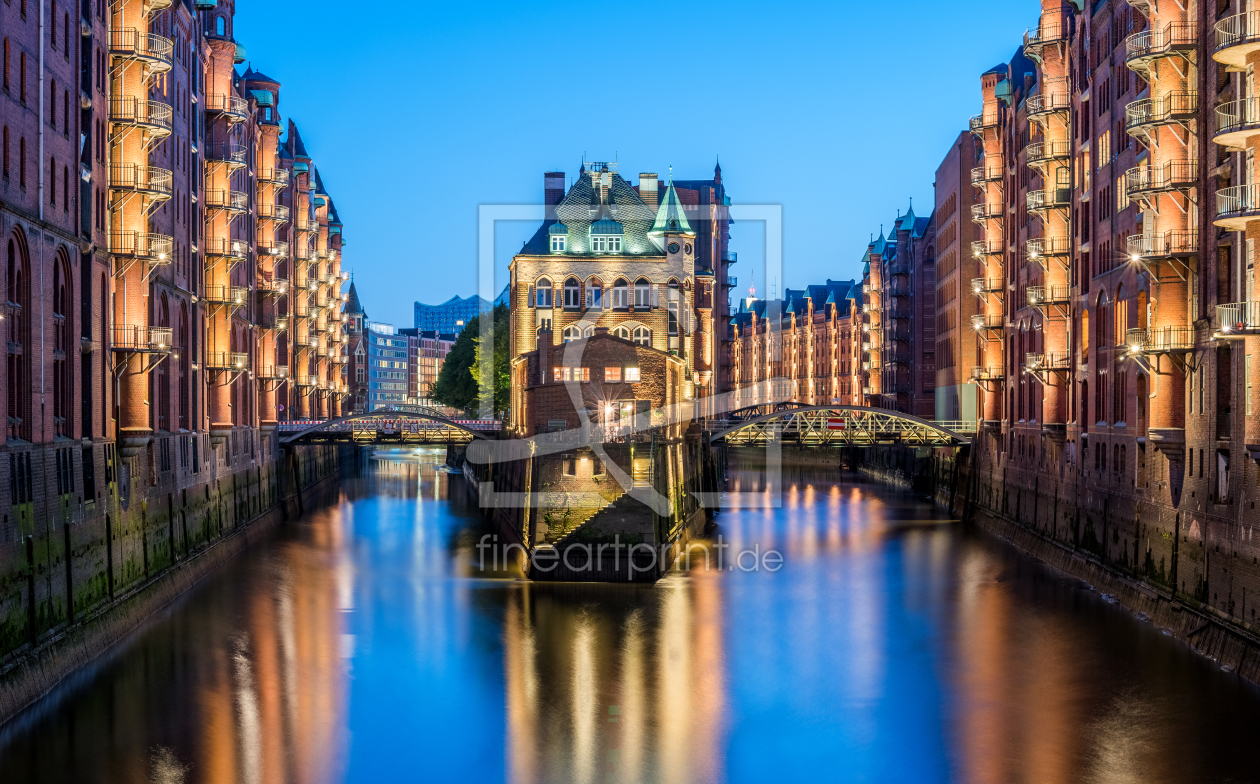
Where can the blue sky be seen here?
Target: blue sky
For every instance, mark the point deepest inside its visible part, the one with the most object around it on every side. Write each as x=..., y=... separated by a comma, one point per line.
x=417, y=113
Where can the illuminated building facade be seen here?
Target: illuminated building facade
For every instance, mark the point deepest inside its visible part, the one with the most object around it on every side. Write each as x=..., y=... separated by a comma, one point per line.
x=172, y=287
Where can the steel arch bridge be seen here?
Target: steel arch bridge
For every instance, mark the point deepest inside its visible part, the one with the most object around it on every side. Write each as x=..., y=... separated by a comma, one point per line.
x=389, y=426
x=836, y=426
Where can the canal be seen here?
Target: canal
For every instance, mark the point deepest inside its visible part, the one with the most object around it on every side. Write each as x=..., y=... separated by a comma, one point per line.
x=366, y=643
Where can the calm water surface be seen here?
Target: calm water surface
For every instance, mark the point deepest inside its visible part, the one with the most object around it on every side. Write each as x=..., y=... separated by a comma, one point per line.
x=363, y=644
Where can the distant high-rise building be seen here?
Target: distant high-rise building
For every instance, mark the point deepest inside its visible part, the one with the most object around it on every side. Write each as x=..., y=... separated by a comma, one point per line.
x=387, y=355
x=455, y=313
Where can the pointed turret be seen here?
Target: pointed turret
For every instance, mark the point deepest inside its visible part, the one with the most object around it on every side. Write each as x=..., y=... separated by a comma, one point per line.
x=295, y=142
x=670, y=217
x=352, y=301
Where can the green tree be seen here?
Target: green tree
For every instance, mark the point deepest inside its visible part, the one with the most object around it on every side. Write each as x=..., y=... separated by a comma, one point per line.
x=458, y=384
x=501, y=378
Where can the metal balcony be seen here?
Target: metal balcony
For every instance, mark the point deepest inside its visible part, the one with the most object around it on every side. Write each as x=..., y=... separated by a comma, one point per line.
x=1236, y=121
x=236, y=110
x=1236, y=206
x=1046, y=296
x=1043, y=152
x=150, y=116
x=233, y=296
x=231, y=153
x=1238, y=319
x=982, y=174
x=272, y=212
x=1053, y=361
x=303, y=252
x=983, y=286
x=228, y=248
x=140, y=339
x=983, y=248
x=1160, y=340
x=152, y=50
x=1145, y=115
x=1050, y=32
x=1176, y=39
x=303, y=340
x=987, y=374
x=277, y=177
x=1164, y=177
x=1169, y=245
x=985, y=121
x=1042, y=248
x=1237, y=37
x=272, y=373
x=1042, y=107
x=148, y=181
x=986, y=211
x=228, y=201
x=153, y=248
x=272, y=249
x=227, y=360
x=1054, y=198
x=983, y=321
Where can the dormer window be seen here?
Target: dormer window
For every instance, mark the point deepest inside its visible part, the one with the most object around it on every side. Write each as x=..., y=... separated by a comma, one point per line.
x=559, y=234
x=606, y=236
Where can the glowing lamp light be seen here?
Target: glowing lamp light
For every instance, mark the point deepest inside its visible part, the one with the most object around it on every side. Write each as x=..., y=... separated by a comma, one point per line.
x=1135, y=348
x=1135, y=258
x=161, y=257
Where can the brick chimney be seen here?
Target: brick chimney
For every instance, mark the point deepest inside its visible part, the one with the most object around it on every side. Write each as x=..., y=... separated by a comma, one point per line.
x=647, y=188
x=544, y=356
x=553, y=191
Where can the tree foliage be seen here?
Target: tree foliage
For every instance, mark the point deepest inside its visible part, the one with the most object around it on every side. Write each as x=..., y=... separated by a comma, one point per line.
x=458, y=384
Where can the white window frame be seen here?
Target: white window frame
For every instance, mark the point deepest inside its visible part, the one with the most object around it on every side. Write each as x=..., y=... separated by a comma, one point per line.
x=572, y=333
x=572, y=294
x=543, y=294
x=642, y=294
x=621, y=295
x=642, y=336
x=557, y=243
x=594, y=296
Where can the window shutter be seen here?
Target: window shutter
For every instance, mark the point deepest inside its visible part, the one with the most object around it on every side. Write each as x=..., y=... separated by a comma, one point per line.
x=530, y=297
x=656, y=297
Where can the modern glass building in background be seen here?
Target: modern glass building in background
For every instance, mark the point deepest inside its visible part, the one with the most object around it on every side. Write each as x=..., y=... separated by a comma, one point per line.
x=387, y=366
x=452, y=315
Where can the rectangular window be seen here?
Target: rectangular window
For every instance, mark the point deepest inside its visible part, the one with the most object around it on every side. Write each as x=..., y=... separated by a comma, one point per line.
x=621, y=296
x=571, y=374
x=1247, y=375
x=544, y=297
x=612, y=375
x=1103, y=155
x=557, y=243
x=673, y=318
x=598, y=244
x=632, y=374
x=614, y=244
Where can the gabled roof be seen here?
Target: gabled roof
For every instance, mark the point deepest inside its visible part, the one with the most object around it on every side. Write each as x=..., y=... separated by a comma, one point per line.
x=251, y=75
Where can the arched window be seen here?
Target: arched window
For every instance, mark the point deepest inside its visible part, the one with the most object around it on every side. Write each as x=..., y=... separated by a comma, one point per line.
x=642, y=336
x=61, y=375
x=220, y=26
x=543, y=293
x=594, y=294
x=19, y=388
x=672, y=306
x=642, y=293
x=622, y=332
x=572, y=294
x=621, y=294
x=588, y=332
x=162, y=378
x=572, y=333
x=183, y=345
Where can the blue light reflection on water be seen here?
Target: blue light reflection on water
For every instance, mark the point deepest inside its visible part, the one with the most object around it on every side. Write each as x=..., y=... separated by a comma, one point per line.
x=364, y=644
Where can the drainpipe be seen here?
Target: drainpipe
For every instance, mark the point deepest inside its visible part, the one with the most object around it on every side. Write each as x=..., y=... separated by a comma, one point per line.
x=41, y=112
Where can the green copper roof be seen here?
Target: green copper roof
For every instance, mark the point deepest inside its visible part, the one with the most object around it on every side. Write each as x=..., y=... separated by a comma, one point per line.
x=558, y=228
x=670, y=216
x=607, y=226
x=240, y=55
x=301, y=167
x=320, y=201
x=263, y=97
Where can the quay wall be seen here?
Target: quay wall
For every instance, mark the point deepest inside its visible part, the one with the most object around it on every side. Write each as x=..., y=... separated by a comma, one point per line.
x=80, y=570
x=1160, y=540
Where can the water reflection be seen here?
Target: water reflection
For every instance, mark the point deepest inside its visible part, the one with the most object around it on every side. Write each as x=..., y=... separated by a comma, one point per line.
x=364, y=644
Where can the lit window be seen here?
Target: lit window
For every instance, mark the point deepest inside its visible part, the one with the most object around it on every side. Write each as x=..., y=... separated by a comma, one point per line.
x=642, y=293
x=632, y=374
x=543, y=297
x=612, y=375
x=621, y=294
x=571, y=374
x=622, y=332
x=557, y=243
x=572, y=292
x=642, y=336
